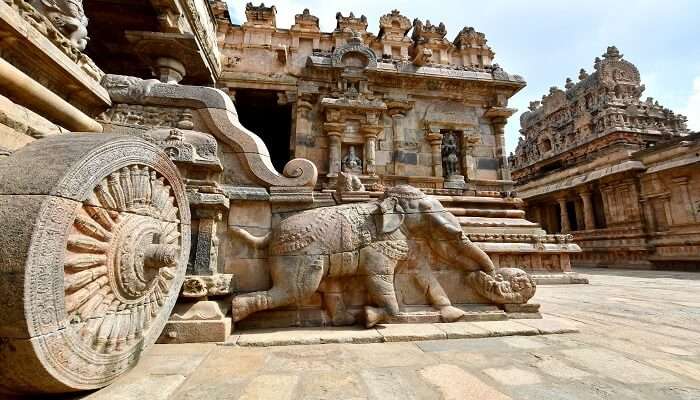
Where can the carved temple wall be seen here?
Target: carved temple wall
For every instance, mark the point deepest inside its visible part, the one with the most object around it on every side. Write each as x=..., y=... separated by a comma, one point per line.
x=391, y=95
x=616, y=172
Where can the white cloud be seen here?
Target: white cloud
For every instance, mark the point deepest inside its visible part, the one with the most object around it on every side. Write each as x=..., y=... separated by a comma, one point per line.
x=692, y=109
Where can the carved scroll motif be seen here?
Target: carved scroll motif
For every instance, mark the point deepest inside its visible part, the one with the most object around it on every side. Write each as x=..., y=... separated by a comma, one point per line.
x=219, y=114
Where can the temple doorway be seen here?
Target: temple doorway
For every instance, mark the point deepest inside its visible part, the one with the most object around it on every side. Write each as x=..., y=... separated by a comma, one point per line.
x=260, y=112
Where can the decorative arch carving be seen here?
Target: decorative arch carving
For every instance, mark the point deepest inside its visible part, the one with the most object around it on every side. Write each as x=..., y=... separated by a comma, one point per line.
x=354, y=46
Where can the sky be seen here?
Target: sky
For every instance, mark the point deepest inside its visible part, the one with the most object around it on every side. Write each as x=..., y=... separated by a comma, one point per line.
x=546, y=41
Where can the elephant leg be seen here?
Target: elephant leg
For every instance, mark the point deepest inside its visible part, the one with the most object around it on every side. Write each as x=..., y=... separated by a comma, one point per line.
x=334, y=303
x=294, y=278
x=436, y=294
x=379, y=272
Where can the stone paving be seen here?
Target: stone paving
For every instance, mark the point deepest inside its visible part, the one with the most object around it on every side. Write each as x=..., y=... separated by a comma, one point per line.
x=639, y=338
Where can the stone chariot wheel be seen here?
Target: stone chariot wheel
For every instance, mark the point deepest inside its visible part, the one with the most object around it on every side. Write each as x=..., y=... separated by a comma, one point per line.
x=93, y=251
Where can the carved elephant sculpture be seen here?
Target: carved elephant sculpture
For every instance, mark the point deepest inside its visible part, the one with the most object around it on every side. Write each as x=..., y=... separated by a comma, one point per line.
x=315, y=249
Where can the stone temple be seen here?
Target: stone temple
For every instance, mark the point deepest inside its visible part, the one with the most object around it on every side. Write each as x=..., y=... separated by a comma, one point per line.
x=168, y=176
x=616, y=171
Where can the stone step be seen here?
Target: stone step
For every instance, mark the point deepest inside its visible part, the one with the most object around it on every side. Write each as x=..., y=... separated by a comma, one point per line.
x=507, y=202
x=401, y=332
x=485, y=212
x=497, y=222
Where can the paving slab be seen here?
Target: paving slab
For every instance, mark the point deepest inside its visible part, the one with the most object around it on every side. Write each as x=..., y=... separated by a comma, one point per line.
x=280, y=387
x=410, y=332
x=549, y=325
x=455, y=383
x=513, y=376
x=523, y=342
x=557, y=368
x=462, y=330
x=398, y=332
x=507, y=328
x=395, y=384
x=306, y=336
x=638, y=338
x=140, y=387
x=618, y=366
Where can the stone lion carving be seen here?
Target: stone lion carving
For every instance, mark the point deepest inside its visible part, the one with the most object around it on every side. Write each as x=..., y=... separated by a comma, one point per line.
x=68, y=17
x=316, y=248
x=347, y=182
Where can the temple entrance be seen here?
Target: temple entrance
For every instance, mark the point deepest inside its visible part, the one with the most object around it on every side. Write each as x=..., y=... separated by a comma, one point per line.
x=260, y=112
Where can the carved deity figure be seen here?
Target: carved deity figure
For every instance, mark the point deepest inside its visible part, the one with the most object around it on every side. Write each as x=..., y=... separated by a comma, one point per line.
x=351, y=162
x=450, y=157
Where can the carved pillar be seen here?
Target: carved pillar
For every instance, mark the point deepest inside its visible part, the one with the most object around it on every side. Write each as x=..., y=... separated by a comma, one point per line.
x=588, y=217
x=206, y=253
x=334, y=156
x=370, y=135
x=397, y=131
x=536, y=214
x=564, y=215
x=619, y=193
x=499, y=125
x=666, y=198
x=682, y=183
x=609, y=205
x=302, y=128
x=435, y=140
x=650, y=226
x=470, y=138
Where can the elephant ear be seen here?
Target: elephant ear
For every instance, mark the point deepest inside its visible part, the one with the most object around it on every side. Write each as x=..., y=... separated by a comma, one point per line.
x=391, y=215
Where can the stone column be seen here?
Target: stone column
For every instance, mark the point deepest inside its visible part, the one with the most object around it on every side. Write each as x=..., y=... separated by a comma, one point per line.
x=302, y=128
x=682, y=183
x=589, y=219
x=564, y=215
x=650, y=219
x=470, y=137
x=435, y=140
x=398, y=139
x=207, y=250
x=370, y=135
x=334, y=156
x=610, y=206
x=499, y=125
x=666, y=198
x=536, y=214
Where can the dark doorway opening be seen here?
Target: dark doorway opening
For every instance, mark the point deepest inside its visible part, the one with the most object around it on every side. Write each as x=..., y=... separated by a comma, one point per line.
x=260, y=112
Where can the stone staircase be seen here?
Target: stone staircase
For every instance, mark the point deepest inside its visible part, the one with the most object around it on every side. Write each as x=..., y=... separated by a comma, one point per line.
x=498, y=225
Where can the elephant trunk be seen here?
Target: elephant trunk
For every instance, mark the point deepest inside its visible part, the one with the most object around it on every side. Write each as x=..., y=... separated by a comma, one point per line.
x=447, y=227
x=474, y=252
